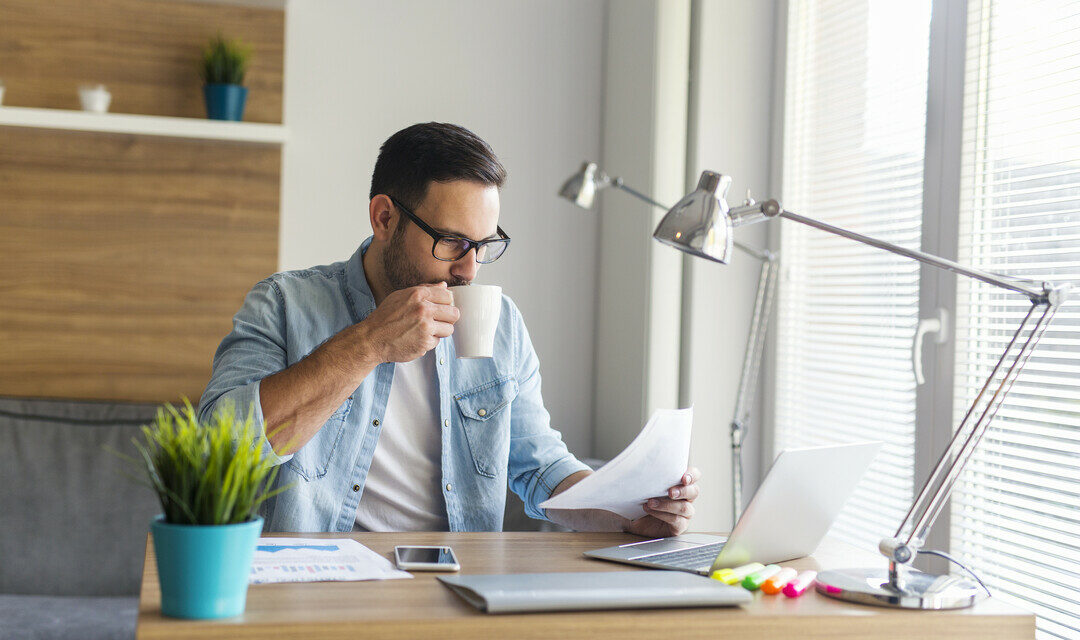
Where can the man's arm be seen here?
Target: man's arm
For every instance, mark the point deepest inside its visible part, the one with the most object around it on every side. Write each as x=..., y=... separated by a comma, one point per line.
x=407, y=324
x=296, y=401
x=665, y=515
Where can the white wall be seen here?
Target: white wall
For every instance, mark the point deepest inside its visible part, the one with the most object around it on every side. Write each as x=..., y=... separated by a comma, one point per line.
x=525, y=76
x=645, y=105
x=733, y=102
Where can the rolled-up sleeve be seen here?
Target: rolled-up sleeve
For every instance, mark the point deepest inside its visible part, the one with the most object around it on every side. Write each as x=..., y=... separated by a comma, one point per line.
x=539, y=459
x=253, y=350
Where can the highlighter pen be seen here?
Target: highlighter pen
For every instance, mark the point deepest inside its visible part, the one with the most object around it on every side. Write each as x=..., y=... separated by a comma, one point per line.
x=735, y=576
x=799, y=585
x=773, y=585
x=754, y=581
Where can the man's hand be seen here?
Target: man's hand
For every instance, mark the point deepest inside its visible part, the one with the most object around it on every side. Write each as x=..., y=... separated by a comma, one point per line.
x=408, y=323
x=670, y=515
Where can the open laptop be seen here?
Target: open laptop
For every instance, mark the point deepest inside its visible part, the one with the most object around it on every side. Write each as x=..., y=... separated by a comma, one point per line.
x=789, y=515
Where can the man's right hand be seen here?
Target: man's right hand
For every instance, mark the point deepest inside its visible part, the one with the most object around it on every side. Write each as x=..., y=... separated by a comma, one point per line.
x=409, y=323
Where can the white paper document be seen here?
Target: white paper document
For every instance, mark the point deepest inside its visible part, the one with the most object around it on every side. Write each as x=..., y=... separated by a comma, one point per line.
x=318, y=559
x=653, y=463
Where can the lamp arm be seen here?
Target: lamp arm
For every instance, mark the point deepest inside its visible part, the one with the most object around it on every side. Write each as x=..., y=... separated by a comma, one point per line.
x=751, y=370
x=755, y=212
x=935, y=492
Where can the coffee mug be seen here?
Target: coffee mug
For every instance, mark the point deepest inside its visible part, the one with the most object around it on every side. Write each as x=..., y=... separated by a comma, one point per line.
x=474, y=332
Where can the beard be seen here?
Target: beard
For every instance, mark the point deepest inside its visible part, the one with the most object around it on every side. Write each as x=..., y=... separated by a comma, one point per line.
x=401, y=272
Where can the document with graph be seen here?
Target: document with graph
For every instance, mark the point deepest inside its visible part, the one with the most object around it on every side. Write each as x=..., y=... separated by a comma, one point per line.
x=317, y=560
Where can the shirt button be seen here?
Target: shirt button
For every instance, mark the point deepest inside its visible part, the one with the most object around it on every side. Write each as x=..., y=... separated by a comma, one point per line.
x=448, y=487
x=356, y=487
x=375, y=422
x=442, y=361
x=482, y=412
x=446, y=423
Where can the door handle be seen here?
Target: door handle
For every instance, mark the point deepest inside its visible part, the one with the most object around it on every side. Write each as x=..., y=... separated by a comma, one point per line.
x=938, y=326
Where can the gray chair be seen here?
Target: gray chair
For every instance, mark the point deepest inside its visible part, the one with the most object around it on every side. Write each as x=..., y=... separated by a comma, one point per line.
x=72, y=525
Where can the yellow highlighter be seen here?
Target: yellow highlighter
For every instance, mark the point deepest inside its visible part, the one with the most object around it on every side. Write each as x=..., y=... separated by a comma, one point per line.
x=736, y=575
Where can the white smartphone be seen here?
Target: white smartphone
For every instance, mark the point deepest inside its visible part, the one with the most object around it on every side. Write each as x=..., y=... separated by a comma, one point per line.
x=423, y=558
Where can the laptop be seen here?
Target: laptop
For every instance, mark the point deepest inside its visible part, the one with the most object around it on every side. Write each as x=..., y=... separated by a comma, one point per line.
x=788, y=516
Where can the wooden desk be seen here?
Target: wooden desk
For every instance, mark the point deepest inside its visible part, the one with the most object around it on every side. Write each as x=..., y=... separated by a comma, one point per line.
x=423, y=608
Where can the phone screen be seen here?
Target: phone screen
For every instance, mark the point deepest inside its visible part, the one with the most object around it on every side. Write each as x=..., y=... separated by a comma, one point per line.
x=441, y=555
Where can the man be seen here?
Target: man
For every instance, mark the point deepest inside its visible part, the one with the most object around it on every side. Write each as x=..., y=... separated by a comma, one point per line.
x=370, y=415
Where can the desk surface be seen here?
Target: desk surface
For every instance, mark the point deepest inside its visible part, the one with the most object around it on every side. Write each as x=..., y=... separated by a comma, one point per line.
x=422, y=607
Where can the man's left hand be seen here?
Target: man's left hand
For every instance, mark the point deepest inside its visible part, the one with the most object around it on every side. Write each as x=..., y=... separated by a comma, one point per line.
x=669, y=515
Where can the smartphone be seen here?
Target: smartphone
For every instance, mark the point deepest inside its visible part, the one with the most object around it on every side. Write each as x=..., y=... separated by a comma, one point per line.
x=422, y=558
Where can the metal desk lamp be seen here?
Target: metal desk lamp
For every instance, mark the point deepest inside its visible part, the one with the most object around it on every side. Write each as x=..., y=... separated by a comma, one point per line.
x=701, y=224
x=581, y=189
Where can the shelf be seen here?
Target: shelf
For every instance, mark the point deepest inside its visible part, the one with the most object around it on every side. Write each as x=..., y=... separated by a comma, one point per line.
x=162, y=126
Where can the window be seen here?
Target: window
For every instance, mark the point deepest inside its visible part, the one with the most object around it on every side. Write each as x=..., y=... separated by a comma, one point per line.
x=859, y=76
x=853, y=156
x=1016, y=512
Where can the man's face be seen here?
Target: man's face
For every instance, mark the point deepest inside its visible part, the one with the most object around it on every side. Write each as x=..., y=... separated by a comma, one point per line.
x=461, y=208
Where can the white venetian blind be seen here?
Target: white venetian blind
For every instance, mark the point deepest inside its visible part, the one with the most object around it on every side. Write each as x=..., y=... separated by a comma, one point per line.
x=1016, y=512
x=855, y=123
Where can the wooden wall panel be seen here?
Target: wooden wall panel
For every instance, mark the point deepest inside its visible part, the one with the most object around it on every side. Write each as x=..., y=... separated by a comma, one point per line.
x=123, y=259
x=144, y=51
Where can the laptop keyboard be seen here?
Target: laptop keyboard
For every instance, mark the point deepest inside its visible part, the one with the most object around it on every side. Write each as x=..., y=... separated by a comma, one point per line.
x=696, y=558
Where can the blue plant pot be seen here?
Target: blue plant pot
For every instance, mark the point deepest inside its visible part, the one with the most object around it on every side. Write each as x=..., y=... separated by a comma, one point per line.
x=203, y=570
x=225, y=101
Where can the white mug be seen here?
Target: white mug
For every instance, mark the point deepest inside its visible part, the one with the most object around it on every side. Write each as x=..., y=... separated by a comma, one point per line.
x=474, y=332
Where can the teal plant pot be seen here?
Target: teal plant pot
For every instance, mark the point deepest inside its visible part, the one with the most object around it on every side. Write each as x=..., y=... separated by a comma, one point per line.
x=225, y=101
x=203, y=569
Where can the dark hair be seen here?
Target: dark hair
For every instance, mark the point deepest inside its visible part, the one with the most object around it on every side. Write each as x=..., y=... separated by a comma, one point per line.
x=416, y=156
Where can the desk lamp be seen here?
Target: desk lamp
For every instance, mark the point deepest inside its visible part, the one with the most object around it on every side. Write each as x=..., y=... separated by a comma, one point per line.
x=581, y=189
x=701, y=224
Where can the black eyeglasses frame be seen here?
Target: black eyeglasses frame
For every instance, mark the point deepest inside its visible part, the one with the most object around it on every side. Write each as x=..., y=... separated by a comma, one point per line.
x=437, y=237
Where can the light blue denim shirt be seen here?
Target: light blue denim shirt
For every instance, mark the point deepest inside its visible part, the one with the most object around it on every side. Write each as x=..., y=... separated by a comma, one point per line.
x=492, y=419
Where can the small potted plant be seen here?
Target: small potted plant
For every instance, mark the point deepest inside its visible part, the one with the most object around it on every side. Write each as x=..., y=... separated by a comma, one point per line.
x=211, y=478
x=224, y=64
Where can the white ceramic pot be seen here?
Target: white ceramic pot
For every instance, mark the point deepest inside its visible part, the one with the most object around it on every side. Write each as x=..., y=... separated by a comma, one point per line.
x=94, y=98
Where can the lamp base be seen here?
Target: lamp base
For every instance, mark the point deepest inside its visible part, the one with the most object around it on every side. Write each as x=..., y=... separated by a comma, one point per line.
x=920, y=590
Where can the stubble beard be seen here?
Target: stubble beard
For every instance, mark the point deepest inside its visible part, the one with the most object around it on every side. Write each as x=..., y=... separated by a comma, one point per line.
x=401, y=272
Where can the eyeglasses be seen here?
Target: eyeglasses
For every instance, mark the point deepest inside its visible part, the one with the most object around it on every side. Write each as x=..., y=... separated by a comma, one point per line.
x=451, y=248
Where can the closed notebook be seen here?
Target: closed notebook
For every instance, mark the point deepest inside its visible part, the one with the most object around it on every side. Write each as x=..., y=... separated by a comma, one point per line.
x=526, y=592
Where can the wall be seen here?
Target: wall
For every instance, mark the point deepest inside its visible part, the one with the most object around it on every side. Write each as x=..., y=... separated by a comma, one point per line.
x=526, y=77
x=733, y=107
x=645, y=143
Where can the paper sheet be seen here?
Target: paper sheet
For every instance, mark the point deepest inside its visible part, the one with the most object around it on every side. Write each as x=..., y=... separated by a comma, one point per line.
x=318, y=559
x=654, y=462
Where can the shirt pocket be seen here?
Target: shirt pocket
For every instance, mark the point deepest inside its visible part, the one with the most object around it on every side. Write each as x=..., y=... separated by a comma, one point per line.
x=485, y=417
x=313, y=459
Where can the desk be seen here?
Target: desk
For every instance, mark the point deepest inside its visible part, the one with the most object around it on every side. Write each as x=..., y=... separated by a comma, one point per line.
x=423, y=608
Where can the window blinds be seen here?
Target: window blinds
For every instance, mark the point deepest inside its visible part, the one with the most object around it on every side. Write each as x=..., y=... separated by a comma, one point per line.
x=1016, y=511
x=854, y=132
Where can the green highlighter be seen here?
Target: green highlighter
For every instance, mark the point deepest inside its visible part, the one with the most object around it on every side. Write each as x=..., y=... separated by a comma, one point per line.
x=754, y=581
x=736, y=575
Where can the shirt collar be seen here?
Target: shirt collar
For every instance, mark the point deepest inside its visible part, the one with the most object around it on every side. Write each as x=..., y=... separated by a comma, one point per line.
x=362, y=298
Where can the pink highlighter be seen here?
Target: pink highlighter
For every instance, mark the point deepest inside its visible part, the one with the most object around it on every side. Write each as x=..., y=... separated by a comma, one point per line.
x=800, y=584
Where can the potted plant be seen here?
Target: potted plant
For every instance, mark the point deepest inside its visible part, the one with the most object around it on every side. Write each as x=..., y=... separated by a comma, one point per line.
x=224, y=63
x=211, y=478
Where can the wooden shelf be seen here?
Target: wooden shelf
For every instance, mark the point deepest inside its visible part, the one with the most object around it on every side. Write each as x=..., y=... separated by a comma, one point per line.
x=161, y=126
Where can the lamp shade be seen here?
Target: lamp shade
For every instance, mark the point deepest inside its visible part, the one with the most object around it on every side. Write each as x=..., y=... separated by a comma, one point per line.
x=580, y=188
x=699, y=223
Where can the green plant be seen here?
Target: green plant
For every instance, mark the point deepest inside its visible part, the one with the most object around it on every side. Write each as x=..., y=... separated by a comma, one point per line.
x=206, y=473
x=224, y=61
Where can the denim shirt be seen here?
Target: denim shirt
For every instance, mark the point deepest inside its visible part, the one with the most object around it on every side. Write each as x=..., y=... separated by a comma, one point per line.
x=492, y=420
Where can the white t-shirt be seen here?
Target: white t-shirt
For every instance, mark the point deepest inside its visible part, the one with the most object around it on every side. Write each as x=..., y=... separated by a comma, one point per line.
x=403, y=490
